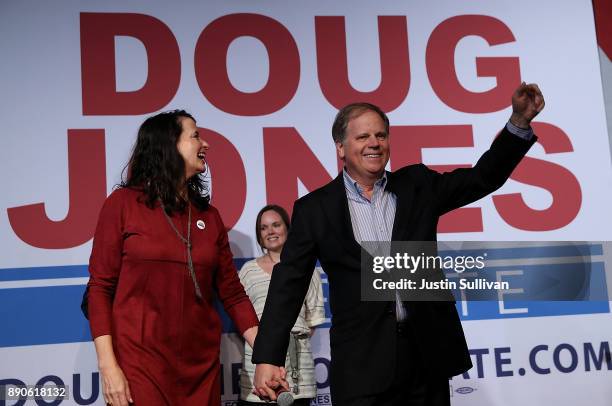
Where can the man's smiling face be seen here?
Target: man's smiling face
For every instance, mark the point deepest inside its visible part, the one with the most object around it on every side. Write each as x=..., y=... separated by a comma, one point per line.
x=365, y=148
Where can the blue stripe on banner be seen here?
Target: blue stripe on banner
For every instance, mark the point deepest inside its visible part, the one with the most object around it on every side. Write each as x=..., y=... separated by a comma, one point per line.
x=43, y=272
x=42, y=315
x=486, y=310
x=557, y=251
x=52, y=315
x=580, y=281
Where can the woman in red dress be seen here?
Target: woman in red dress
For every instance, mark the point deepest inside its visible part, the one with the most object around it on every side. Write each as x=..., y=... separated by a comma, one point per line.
x=160, y=257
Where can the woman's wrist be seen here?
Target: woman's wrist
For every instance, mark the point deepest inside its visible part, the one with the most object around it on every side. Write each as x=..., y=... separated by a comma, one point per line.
x=250, y=334
x=107, y=363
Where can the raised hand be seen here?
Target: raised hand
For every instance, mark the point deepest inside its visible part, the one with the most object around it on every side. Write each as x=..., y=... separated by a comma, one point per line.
x=527, y=102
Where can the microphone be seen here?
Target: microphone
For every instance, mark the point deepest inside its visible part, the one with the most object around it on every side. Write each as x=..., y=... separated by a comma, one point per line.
x=284, y=399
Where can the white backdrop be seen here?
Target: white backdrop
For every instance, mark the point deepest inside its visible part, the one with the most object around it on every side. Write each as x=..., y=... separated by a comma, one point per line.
x=267, y=78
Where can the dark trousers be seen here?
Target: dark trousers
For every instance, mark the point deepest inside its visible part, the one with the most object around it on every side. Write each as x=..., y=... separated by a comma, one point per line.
x=412, y=384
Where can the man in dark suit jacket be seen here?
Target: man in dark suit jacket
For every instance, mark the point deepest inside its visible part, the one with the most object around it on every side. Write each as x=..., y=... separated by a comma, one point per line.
x=382, y=353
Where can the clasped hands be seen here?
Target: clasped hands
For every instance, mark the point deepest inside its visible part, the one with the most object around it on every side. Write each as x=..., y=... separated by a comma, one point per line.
x=270, y=380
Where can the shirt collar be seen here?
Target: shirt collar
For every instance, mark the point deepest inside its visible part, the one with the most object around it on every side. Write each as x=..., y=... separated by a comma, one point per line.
x=352, y=186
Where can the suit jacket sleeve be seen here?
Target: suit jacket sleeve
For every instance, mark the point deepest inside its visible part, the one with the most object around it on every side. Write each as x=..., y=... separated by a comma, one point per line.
x=465, y=185
x=290, y=281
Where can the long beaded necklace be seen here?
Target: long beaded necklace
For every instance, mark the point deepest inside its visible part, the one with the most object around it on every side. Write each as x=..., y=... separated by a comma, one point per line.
x=187, y=242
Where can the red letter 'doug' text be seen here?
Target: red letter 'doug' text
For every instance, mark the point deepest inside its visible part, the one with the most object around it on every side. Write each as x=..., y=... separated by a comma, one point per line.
x=100, y=95
x=440, y=60
x=211, y=64
x=332, y=63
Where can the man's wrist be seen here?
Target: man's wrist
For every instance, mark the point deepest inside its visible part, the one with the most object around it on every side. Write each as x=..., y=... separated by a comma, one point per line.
x=525, y=133
x=519, y=121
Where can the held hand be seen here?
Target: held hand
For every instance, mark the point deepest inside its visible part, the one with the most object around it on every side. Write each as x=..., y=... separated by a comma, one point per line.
x=527, y=102
x=115, y=387
x=269, y=380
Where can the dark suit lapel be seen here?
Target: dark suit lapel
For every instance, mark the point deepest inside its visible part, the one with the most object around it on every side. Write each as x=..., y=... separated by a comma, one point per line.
x=337, y=212
x=403, y=203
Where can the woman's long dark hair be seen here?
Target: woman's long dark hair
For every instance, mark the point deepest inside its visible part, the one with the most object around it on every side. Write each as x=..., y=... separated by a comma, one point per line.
x=157, y=168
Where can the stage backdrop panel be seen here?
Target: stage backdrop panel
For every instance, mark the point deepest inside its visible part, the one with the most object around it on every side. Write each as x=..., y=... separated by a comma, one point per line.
x=264, y=80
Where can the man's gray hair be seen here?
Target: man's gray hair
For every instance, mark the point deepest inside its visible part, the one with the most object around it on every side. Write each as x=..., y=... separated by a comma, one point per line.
x=350, y=111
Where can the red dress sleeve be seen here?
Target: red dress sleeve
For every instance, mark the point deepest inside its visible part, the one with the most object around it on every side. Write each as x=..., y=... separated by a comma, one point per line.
x=105, y=264
x=231, y=292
